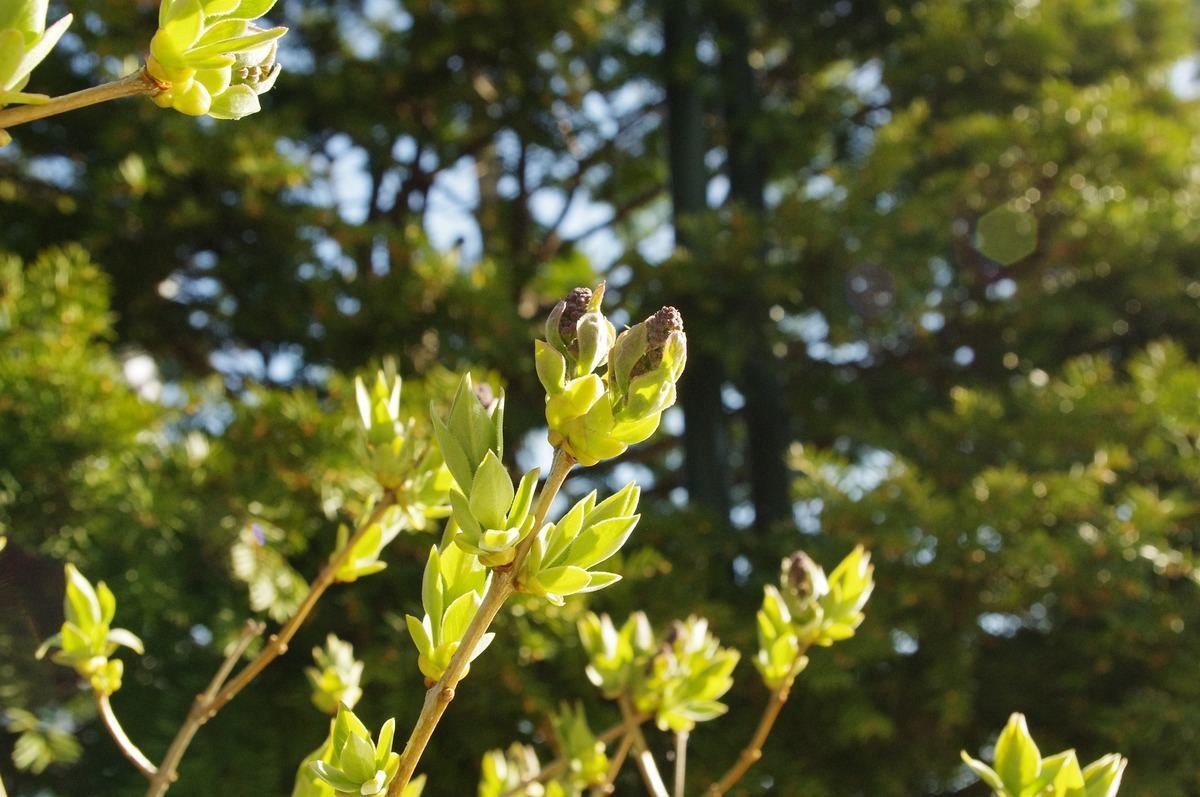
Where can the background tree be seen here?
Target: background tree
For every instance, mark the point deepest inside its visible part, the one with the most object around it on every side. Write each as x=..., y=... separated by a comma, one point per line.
x=941, y=250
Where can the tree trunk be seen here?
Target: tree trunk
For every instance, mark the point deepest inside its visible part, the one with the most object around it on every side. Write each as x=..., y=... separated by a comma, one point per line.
x=766, y=424
x=706, y=463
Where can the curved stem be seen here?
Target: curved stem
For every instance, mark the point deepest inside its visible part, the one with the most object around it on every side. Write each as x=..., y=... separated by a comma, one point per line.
x=753, y=750
x=219, y=693
x=137, y=84
x=681, y=743
x=641, y=752
x=438, y=697
x=127, y=747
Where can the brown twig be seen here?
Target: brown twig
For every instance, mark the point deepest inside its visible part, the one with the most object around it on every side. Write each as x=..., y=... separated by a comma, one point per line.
x=127, y=747
x=614, y=767
x=137, y=84
x=219, y=692
x=641, y=752
x=199, y=714
x=438, y=697
x=753, y=750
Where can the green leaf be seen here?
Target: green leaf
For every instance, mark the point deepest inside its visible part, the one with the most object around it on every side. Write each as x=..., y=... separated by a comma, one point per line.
x=564, y=580
x=598, y=580
x=985, y=773
x=333, y=776
x=122, y=636
x=217, y=8
x=420, y=634
x=223, y=30
x=622, y=503
x=1018, y=761
x=458, y=617
x=108, y=603
x=12, y=50
x=454, y=455
x=1102, y=778
x=182, y=25
x=44, y=648
x=523, y=499
x=463, y=515
x=1060, y=771
x=551, y=367
x=253, y=9
x=383, y=744
x=491, y=493
x=358, y=759
x=235, y=44
x=431, y=586
x=345, y=725
x=565, y=531
x=82, y=605
x=600, y=541
x=25, y=16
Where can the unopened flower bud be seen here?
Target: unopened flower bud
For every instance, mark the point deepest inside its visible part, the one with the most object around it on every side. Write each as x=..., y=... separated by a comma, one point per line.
x=802, y=577
x=659, y=328
x=676, y=631
x=485, y=394
x=575, y=304
x=660, y=325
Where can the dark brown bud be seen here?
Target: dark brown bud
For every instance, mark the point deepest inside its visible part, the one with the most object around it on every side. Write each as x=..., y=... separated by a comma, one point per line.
x=575, y=305
x=660, y=326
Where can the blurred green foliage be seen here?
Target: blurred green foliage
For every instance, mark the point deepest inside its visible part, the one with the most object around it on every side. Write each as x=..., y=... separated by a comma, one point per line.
x=1010, y=430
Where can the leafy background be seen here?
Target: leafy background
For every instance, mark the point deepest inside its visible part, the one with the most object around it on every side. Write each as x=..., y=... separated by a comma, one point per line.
x=940, y=272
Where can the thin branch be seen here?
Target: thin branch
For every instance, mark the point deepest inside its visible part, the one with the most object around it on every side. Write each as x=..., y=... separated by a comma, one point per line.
x=753, y=750
x=3, y=793
x=438, y=697
x=166, y=774
x=220, y=692
x=641, y=753
x=620, y=213
x=137, y=84
x=127, y=747
x=614, y=768
x=250, y=631
x=559, y=765
x=681, y=744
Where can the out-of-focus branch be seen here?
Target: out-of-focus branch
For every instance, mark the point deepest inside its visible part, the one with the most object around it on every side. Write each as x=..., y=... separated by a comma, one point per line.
x=127, y=747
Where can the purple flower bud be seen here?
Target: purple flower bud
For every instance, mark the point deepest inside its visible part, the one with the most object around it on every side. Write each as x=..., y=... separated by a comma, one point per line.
x=658, y=329
x=575, y=304
x=485, y=394
x=660, y=326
